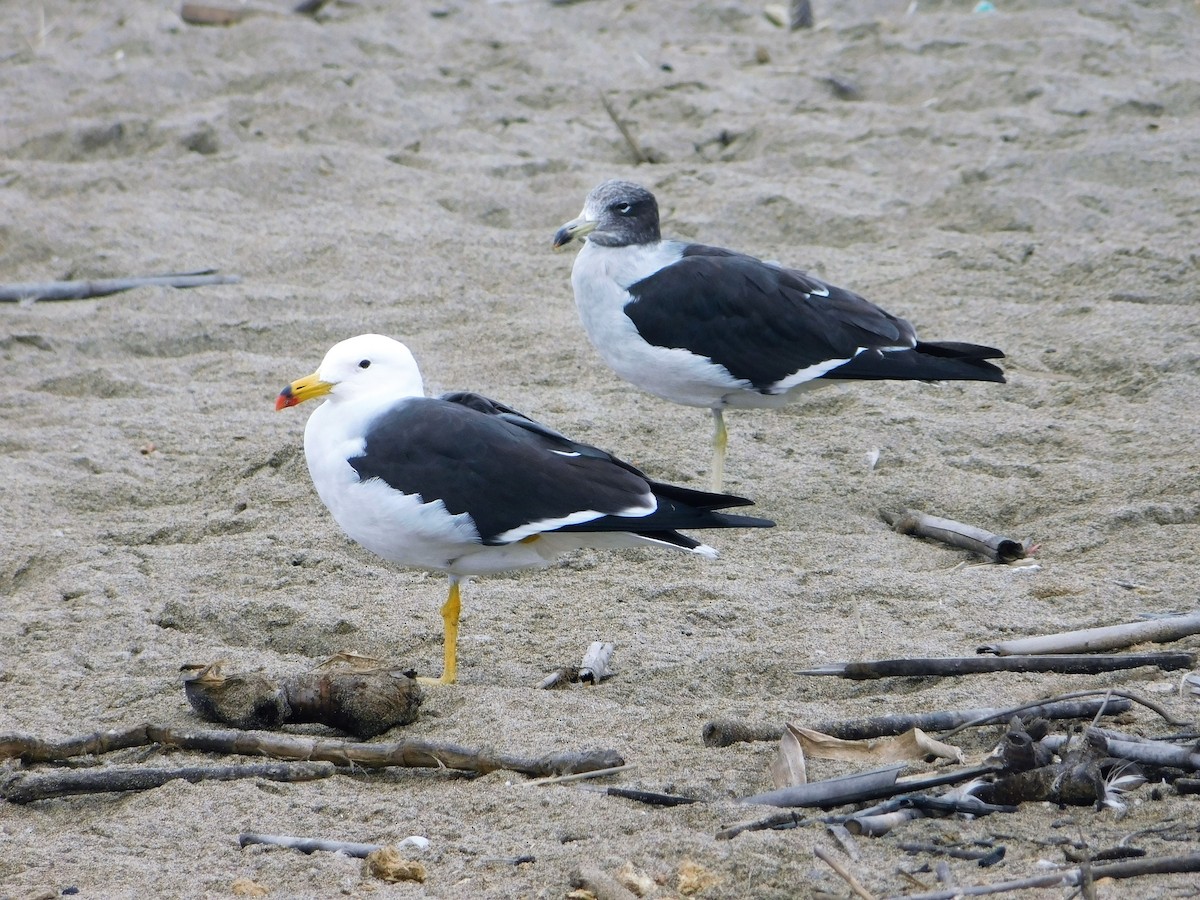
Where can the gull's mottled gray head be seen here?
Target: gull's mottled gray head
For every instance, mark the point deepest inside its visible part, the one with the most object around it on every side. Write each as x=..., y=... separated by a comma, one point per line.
x=615, y=214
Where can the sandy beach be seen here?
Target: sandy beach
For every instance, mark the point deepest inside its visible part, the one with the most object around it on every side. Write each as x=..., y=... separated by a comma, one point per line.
x=1025, y=178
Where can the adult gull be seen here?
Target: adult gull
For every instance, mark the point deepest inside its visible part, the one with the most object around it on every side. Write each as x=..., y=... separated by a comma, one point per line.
x=464, y=485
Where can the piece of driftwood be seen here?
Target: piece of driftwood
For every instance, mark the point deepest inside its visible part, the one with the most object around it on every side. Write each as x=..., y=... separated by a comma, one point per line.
x=724, y=732
x=1066, y=664
x=987, y=857
x=1108, y=637
x=1109, y=695
x=650, y=797
x=872, y=785
x=1134, y=868
x=364, y=702
x=407, y=753
x=26, y=787
x=102, y=287
x=966, y=537
x=314, y=845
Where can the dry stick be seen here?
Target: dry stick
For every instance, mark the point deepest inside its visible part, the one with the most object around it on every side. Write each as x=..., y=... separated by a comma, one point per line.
x=1065, y=664
x=956, y=534
x=723, y=732
x=102, y=287
x=309, y=845
x=1109, y=637
x=1075, y=695
x=409, y=753
x=26, y=787
x=846, y=874
x=1163, y=865
x=639, y=155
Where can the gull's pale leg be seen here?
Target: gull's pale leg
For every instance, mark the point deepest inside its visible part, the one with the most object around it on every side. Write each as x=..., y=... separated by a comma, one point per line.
x=720, y=441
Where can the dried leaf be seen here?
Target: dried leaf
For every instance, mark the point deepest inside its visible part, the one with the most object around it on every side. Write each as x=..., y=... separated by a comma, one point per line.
x=913, y=745
x=788, y=768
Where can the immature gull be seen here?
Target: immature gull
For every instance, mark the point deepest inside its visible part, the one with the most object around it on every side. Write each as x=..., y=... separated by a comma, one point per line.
x=709, y=327
x=467, y=486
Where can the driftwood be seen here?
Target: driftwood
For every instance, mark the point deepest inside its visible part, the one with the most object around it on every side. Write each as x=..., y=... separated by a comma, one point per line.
x=724, y=732
x=1067, y=664
x=407, y=753
x=314, y=845
x=649, y=797
x=364, y=702
x=1135, y=868
x=873, y=785
x=26, y=787
x=102, y=287
x=1110, y=637
x=956, y=534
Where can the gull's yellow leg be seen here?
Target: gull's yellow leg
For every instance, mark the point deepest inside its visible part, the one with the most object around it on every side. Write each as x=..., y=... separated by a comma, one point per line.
x=450, y=612
x=720, y=441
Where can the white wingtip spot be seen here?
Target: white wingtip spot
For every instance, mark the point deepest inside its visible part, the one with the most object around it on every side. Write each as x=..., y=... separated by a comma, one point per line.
x=706, y=551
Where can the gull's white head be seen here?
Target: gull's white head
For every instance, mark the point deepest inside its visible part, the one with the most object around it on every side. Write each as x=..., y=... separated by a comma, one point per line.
x=369, y=365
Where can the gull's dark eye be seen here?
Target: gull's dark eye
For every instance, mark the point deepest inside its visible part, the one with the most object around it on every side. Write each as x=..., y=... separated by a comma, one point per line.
x=365, y=364
x=624, y=208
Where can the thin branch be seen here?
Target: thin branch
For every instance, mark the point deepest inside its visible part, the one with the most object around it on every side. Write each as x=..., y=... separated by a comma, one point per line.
x=1076, y=695
x=639, y=155
x=846, y=875
x=102, y=287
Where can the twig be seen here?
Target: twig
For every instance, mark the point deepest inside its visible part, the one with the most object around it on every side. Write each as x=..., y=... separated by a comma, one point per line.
x=26, y=787
x=406, y=753
x=1067, y=664
x=723, y=732
x=639, y=155
x=1164, y=865
x=779, y=820
x=649, y=797
x=846, y=875
x=581, y=776
x=956, y=534
x=102, y=287
x=1076, y=695
x=1109, y=637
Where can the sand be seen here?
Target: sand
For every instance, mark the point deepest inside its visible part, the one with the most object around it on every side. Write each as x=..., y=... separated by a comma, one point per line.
x=1026, y=178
